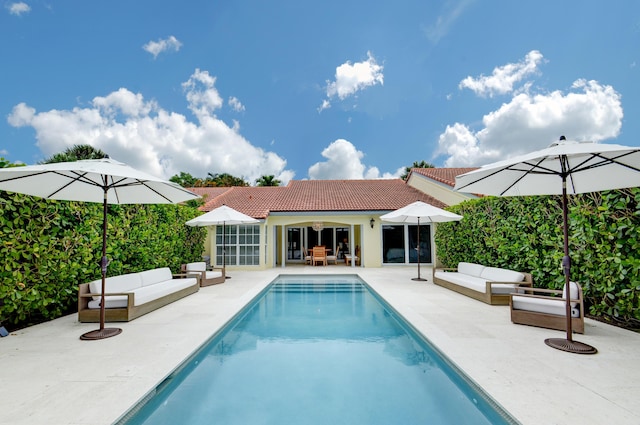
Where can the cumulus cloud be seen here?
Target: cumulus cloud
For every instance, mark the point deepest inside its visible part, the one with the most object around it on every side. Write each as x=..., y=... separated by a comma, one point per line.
x=589, y=110
x=18, y=8
x=344, y=161
x=157, y=47
x=351, y=78
x=235, y=104
x=142, y=134
x=504, y=78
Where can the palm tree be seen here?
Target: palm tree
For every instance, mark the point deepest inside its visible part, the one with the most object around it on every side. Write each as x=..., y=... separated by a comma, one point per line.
x=416, y=164
x=269, y=180
x=75, y=153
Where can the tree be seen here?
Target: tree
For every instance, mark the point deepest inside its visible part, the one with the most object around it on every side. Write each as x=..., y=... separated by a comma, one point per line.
x=269, y=180
x=184, y=179
x=75, y=153
x=5, y=163
x=223, y=180
x=421, y=164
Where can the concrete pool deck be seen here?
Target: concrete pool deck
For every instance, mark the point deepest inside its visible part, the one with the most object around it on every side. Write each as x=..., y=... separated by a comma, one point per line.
x=49, y=376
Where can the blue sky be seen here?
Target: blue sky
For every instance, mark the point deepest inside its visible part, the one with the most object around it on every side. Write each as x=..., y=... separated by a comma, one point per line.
x=315, y=90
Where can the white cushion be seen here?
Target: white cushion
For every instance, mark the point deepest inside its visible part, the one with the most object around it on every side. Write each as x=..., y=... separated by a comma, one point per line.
x=574, y=292
x=495, y=274
x=546, y=305
x=196, y=267
x=472, y=269
x=114, y=301
x=115, y=284
x=151, y=292
x=462, y=279
x=213, y=274
x=151, y=277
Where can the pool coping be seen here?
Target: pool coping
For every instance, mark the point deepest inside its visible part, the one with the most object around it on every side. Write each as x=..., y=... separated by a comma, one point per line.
x=50, y=376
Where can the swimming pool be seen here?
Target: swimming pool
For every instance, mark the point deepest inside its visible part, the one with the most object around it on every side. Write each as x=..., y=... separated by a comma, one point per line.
x=317, y=350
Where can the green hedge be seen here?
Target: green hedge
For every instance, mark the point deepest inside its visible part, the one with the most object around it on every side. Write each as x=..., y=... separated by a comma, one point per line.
x=525, y=233
x=49, y=247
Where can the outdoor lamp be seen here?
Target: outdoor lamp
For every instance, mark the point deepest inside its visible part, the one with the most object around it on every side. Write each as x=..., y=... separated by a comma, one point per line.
x=372, y=222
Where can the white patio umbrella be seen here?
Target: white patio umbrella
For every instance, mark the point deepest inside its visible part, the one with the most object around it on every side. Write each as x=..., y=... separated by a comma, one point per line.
x=95, y=180
x=416, y=213
x=562, y=168
x=222, y=215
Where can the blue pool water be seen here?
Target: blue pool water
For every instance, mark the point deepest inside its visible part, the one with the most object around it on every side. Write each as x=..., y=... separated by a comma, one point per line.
x=317, y=350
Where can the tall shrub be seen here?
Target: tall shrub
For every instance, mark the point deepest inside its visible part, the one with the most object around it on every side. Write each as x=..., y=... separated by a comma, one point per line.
x=525, y=233
x=48, y=248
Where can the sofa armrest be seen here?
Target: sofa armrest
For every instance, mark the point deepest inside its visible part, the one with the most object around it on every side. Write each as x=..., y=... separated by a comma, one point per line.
x=130, y=296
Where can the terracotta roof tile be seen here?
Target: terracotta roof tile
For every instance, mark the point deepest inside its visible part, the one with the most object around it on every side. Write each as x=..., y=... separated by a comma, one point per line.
x=321, y=195
x=443, y=175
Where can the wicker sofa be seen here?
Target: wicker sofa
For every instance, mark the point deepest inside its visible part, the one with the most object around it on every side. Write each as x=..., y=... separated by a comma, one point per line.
x=491, y=285
x=131, y=295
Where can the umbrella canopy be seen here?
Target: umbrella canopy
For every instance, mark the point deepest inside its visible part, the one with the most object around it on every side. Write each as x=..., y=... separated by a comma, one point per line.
x=561, y=169
x=420, y=212
x=94, y=180
x=416, y=213
x=222, y=215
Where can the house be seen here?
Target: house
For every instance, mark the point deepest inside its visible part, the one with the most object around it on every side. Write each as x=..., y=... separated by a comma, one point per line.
x=342, y=215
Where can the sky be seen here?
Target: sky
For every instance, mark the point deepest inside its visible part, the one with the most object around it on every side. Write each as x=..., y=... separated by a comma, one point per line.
x=315, y=90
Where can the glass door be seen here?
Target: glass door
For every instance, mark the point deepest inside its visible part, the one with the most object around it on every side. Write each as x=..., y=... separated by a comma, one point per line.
x=295, y=244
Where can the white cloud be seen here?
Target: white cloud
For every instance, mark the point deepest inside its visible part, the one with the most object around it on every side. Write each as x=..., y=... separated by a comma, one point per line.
x=201, y=93
x=344, y=161
x=503, y=78
x=589, y=111
x=157, y=47
x=163, y=143
x=235, y=104
x=18, y=8
x=351, y=78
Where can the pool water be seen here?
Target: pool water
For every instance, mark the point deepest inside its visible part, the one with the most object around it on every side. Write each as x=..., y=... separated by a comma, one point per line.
x=317, y=350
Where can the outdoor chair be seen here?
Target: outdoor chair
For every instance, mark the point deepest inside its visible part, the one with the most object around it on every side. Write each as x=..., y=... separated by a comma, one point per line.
x=307, y=256
x=206, y=275
x=319, y=255
x=333, y=257
x=348, y=258
x=546, y=308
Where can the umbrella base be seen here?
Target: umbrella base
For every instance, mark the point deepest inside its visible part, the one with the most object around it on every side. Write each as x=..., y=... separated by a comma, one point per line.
x=419, y=279
x=570, y=346
x=100, y=334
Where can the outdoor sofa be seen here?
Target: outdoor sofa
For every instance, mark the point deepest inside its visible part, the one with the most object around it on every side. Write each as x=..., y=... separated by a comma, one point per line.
x=491, y=285
x=131, y=295
x=205, y=275
x=546, y=308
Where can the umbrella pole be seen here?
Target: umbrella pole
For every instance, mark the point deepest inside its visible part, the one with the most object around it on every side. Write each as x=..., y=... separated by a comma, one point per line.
x=568, y=344
x=104, y=263
x=418, y=250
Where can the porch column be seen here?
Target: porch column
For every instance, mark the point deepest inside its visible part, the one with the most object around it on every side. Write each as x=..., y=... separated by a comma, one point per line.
x=284, y=245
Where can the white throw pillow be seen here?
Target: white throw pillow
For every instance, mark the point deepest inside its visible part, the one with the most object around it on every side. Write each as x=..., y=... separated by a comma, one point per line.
x=200, y=266
x=574, y=292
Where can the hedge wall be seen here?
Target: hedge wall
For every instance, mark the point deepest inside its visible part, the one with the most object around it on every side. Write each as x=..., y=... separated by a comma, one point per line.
x=525, y=233
x=48, y=248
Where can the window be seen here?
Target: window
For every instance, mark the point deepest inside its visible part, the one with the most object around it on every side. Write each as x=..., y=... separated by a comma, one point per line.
x=398, y=240
x=241, y=245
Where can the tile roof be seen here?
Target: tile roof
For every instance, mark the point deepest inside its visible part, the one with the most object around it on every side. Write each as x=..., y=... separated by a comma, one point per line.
x=442, y=175
x=319, y=195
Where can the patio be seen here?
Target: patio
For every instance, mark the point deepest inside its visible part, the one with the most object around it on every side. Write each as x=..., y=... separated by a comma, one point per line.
x=50, y=376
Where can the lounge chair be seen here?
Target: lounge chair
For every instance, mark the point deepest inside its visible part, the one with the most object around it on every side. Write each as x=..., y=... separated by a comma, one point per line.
x=206, y=275
x=546, y=308
x=319, y=255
